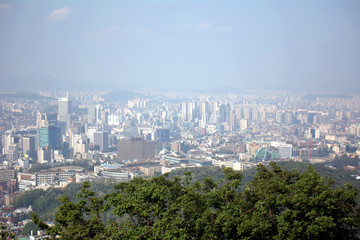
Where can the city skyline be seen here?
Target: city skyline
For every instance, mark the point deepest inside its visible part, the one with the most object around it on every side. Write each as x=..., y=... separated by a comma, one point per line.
x=201, y=45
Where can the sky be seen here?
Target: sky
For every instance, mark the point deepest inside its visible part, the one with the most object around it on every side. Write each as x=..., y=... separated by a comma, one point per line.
x=180, y=45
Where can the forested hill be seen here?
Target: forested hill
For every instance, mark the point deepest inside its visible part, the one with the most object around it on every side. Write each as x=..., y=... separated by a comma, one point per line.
x=45, y=203
x=276, y=204
x=339, y=175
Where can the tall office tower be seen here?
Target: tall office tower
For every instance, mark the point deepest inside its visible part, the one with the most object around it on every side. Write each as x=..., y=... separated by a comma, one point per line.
x=314, y=132
x=214, y=117
x=280, y=117
x=184, y=111
x=45, y=119
x=228, y=113
x=104, y=117
x=101, y=139
x=204, y=107
x=204, y=120
x=289, y=117
x=262, y=115
x=49, y=136
x=311, y=117
x=41, y=120
x=99, y=109
x=232, y=120
x=42, y=137
x=247, y=113
x=29, y=146
x=5, y=141
x=91, y=114
x=255, y=115
x=191, y=111
x=45, y=155
x=52, y=118
x=8, y=140
x=80, y=144
x=213, y=106
x=222, y=113
x=12, y=153
x=302, y=117
x=64, y=108
x=238, y=112
x=55, y=137
x=162, y=135
x=136, y=148
x=90, y=134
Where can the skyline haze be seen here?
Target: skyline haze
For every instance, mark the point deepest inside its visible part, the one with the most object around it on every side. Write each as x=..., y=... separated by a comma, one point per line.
x=297, y=45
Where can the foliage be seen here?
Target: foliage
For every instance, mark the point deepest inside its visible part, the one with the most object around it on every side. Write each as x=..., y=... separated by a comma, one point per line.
x=30, y=226
x=45, y=203
x=5, y=234
x=341, y=162
x=79, y=220
x=276, y=204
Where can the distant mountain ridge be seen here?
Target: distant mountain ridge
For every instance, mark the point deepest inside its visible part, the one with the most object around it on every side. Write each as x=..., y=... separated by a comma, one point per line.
x=23, y=94
x=120, y=96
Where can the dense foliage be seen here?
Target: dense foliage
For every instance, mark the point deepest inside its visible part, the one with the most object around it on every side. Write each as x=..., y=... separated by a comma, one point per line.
x=5, y=234
x=276, y=204
x=45, y=203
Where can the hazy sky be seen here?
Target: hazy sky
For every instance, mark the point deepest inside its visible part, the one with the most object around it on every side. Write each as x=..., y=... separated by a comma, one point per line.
x=305, y=44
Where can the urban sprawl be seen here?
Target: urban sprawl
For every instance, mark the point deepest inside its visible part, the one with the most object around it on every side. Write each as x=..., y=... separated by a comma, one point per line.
x=152, y=133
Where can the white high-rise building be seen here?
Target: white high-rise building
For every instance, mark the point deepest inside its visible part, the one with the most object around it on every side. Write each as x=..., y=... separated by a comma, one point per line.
x=243, y=124
x=64, y=111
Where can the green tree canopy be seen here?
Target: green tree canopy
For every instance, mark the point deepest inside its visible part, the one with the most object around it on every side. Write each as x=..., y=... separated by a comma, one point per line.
x=276, y=204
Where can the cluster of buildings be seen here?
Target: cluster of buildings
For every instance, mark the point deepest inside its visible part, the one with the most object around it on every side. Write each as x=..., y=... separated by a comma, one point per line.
x=163, y=131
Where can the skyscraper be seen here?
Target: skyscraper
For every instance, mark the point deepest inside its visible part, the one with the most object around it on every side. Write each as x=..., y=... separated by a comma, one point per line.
x=64, y=106
x=29, y=146
x=49, y=136
x=91, y=114
x=101, y=139
x=162, y=135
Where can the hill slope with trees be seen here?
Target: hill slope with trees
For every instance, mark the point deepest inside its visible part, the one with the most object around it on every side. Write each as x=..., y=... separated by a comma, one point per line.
x=276, y=204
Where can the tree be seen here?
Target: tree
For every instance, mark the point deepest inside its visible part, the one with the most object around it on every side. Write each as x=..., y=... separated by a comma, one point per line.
x=276, y=204
x=30, y=226
x=5, y=234
x=79, y=220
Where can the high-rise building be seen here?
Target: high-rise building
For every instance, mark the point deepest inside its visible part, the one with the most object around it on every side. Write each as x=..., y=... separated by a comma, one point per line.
x=12, y=153
x=7, y=141
x=91, y=114
x=136, y=148
x=162, y=135
x=48, y=136
x=80, y=145
x=247, y=113
x=222, y=113
x=29, y=146
x=184, y=111
x=64, y=108
x=45, y=154
x=101, y=139
x=42, y=137
x=314, y=133
x=204, y=107
x=45, y=119
x=243, y=124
